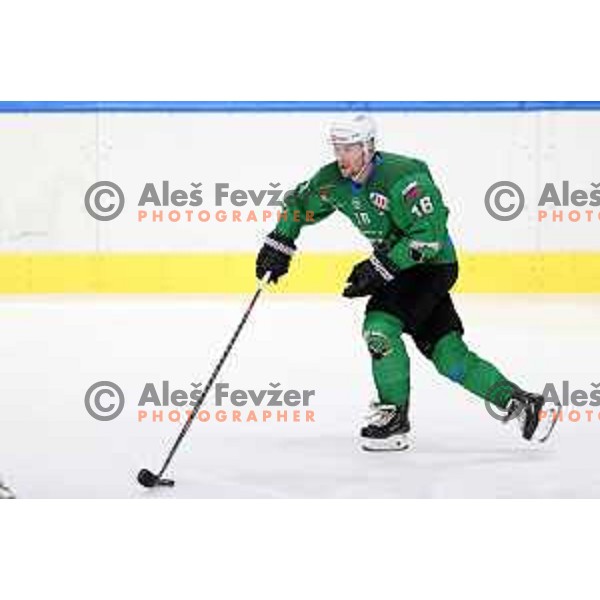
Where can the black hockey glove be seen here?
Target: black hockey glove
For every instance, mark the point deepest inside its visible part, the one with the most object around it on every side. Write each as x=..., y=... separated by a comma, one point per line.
x=274, y=256
x=370, y=275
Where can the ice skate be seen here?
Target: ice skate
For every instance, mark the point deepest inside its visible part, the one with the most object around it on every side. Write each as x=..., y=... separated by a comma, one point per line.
x=536, y=417
x=387, y=429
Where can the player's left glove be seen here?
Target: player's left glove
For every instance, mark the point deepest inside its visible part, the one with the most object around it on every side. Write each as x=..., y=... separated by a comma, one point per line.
x=370, y=275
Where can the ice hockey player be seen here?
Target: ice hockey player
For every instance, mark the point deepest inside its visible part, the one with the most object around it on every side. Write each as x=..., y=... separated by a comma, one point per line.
x=395, y=203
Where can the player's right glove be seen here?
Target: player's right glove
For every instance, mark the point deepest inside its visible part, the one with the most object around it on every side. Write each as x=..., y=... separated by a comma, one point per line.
x=274, y=256
x=370, y=275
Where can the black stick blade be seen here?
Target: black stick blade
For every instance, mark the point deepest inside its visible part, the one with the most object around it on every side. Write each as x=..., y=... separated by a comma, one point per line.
x=147, y=479
x=150, y=480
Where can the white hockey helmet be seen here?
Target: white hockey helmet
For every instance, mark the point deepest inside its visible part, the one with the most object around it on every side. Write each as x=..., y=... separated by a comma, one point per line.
x=357, y=130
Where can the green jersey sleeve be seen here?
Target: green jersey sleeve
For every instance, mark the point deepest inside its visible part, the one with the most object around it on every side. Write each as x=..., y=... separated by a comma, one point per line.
x=305, y=205
x=418, y=210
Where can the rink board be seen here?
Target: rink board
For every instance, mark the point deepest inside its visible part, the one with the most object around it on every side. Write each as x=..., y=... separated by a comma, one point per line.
x=52, y=152
x=325, y=273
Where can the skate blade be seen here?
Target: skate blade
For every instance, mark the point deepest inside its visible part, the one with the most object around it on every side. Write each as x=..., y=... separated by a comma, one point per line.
x=546, y=426
x=396, y=443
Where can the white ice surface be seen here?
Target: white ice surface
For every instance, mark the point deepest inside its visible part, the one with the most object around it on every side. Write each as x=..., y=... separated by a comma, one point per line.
x=53, y=348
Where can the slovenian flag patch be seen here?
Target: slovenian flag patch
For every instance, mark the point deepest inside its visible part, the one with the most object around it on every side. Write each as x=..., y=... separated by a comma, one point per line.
x=412, y=191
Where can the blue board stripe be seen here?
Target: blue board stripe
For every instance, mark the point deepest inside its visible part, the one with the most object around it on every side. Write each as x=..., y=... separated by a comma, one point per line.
x=295, y=106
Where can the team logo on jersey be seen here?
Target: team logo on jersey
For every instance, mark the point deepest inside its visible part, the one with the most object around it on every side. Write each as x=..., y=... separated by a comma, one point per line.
x=379, y=200
x=325, y=192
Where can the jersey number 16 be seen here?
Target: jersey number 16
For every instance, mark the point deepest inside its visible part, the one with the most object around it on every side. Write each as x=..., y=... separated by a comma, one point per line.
x=423, y=207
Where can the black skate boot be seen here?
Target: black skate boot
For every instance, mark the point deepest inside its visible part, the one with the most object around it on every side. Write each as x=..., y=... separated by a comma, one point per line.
x=387, y=429
x=528, y=408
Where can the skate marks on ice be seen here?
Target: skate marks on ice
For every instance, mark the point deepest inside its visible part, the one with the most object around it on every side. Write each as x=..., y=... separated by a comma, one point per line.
x=334, y=467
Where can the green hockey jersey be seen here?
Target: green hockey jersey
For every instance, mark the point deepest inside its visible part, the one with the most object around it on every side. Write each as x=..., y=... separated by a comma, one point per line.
x=399, y=209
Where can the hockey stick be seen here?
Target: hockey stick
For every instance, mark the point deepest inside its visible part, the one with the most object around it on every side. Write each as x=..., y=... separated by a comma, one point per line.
x=146, y=477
